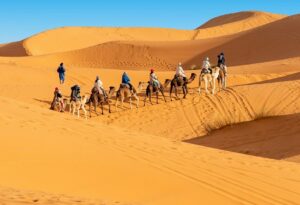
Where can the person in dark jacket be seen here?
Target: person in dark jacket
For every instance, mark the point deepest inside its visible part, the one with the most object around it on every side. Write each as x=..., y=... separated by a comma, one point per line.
x=61, y=73
x=75, y=93
x=221, y=63
x=221, y=60
x=126, y=80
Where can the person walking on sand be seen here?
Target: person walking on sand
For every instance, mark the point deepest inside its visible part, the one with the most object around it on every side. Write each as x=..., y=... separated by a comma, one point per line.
x=61, y=73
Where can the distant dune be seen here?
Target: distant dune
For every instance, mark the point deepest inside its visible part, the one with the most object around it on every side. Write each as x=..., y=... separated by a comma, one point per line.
x=235, y=23
x=274, y=41
x=74, y=38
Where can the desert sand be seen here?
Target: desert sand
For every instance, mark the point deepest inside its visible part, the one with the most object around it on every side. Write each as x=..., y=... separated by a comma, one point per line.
x=239, y=146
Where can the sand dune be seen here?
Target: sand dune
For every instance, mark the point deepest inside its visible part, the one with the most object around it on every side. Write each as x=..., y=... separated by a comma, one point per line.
x=204, y=149
x=13, y=49
x=278, y=40
x=74, y=38
x=235, y=23
x=274, y=41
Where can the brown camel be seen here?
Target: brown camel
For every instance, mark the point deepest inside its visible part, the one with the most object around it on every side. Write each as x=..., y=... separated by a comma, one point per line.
x=179, y=82
x=125, y=92
x=97, y=98
x=222, y=79
x=154, y=89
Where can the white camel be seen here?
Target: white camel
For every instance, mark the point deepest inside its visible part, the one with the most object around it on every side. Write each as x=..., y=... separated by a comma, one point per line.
x=78, y=105
x=209, y=79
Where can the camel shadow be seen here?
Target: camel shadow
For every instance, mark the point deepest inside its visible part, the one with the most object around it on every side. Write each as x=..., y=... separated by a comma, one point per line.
x=43, y=101
x=274, y=138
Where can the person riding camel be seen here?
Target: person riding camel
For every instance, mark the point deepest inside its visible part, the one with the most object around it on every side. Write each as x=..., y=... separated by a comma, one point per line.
x=221, y=62
x=154, y=79
x=99, y=86
x=126, y=81
x=206, y=67
x=58, y=98
x=75, y=94
x=180, y=72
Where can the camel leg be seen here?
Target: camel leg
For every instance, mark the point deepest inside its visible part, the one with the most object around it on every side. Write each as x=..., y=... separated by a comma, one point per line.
x=199, y=89
x=176, y=94
x=73, y=109
x=156, y=97
x=122, y=102
x=213, y=86
x=145, y=99
x=85, y=112
x=171, y=90
x=130, y=102
x=184, y=88
x=206, y=86
x=109, y=110
x=102, y=108
x=90, y=107
x=117, y=100
x=137, y=101
x=150, y=97
x=78, y=114
x=163, y=94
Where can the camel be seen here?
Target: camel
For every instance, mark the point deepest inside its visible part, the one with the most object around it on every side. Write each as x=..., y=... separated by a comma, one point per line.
x=75, y=106
x=58, y=103
x=154, y=89
x=211, y=78
x=97, y=98
x=124, y=92
x=179, y=82
x=222, y=79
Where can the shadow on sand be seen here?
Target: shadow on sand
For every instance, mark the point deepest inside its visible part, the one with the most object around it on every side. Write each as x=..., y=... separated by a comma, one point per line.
x=274, y=137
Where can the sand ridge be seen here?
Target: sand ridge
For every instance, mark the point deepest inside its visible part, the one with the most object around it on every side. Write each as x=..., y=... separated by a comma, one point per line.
x=170, y=153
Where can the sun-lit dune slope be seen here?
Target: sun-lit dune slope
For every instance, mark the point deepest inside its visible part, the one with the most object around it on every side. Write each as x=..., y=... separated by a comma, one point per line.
x=73, y=38
x=274, y=41
x=235, y=23
x=13, y=49
x=134, y=55
x=117, y=157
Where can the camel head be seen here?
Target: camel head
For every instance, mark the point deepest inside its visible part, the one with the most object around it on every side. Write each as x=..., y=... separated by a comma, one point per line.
x=112, y=90
x=140, y=87
x=167, y=82
x=192, y=78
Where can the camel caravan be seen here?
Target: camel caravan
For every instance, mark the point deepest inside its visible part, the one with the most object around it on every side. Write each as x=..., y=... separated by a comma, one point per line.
x=212, y=76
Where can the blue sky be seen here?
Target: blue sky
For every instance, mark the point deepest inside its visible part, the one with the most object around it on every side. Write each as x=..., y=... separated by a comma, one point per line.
x=20, y=18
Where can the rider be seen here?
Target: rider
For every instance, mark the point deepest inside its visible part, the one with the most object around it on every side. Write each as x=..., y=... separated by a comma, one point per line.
x=75, y=94
x=58, y=98
x=153, y=79
x=126, y=81
x=180, y=72
x=206, y=67
x=99, y=86
x=221, y=62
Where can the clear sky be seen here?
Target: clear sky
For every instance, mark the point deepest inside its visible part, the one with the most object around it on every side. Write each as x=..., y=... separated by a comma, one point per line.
x=22, y=18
